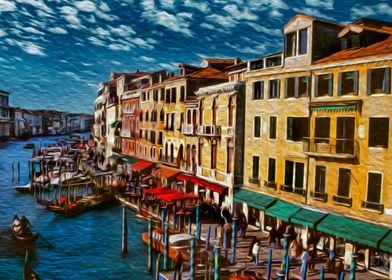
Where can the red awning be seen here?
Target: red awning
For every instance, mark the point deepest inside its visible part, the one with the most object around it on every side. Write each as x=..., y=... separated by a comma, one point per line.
x=211, y=186
x=201, y=182
x=165, y=173
x=141, y=165
x=157, y=191
x=171, y=197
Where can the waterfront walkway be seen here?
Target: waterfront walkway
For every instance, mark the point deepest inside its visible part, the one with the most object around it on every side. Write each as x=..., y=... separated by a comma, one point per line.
x=245, y=263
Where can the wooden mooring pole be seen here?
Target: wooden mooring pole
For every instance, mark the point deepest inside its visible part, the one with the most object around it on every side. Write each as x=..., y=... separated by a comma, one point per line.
x=12, y=171
x=124, y=232
x=149, y=261
x=18, y=169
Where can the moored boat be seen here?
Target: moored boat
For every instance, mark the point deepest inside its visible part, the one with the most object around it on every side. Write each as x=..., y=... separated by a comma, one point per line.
x=22, y=233
x=23, y=189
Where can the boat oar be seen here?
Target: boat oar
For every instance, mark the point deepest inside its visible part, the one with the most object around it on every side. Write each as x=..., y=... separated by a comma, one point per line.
x=46, y=241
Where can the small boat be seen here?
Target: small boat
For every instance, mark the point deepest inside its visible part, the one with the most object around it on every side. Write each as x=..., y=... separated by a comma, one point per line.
x=23, y=189
x=22, y=233
x=180, y=240
x=28, y=272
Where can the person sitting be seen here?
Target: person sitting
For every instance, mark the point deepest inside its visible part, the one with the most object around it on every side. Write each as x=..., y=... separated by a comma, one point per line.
x=25, y=226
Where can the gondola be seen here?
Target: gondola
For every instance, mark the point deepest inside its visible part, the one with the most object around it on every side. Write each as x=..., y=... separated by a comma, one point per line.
x=23, y=189
x=28, y=272
x=26, y=238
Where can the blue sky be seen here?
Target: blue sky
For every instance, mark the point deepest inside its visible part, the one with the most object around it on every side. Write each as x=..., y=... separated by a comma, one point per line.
x=54, y=53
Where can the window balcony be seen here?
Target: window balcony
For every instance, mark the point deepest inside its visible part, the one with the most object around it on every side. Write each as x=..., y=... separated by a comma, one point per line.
x=290, y=189
x=228, y=132
x=187, y=129
x=373, y=206
x=322, y=196
x=117, y=144
x=254, y=181
x=270, y=184
x=343, y=200
x=208, y=130
x=339, y=148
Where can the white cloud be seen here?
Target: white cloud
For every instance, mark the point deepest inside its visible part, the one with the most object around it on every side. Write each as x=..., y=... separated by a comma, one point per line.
x=28, y=47
x=167, y=3
x=7, y=6
x=70, y=15
x=147, y=59
x=33, y=30
x=243, y=14
x=2, y=33
x=102, y=32
x=264, y=29
x=168, y=66
x=57, y=30
x=225, y=21
x=85, y=6
x=104, y=7
x=313, y=12
x=96, y=41
x=202, y=7
x=122, y=30
x=327, y=4
x=208, y=26
x=118, y=47
x=39, y=4
x=142, y=43
x=359, y=11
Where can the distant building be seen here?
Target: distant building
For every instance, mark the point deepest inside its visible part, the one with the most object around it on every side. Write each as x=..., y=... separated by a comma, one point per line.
x=5, y=116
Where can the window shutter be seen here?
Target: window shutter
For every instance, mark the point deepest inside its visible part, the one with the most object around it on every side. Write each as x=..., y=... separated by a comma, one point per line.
x=286, y=86
x=387, y=80
x=340, y=84
x=262, y=89
x=296, y=87
x=330, y=85
x=316, y=78
x=369, y=81
x=278, y=89
x=356, y=82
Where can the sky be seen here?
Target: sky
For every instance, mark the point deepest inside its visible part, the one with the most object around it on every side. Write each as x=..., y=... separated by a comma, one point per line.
x=54, y=53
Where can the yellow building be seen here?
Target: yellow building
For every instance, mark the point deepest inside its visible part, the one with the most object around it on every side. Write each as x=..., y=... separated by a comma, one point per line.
x=317, y=137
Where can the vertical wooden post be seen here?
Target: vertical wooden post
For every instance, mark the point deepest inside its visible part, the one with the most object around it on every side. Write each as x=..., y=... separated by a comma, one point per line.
x=149, y=261
x=322, y=273
x=208, y=236
x=158, y=266
x=180, y=222
x=193, y=262
x=18, y=167
x=280, y=275
x=216, y=232
x=190, y=224
x=217, y=249
x=341, y=275
x=354, y=257
x=12, y=171
x=233, y=240
x=287, y=268
x=124, y=232
x=285, y=251
x=198, y=225
x=165, y=246
x=304, y=268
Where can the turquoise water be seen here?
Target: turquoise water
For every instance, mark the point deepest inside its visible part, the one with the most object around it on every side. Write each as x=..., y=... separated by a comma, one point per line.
x=85, y=247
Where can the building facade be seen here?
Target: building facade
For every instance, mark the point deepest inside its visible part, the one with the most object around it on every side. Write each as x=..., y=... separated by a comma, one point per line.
x=5, y=116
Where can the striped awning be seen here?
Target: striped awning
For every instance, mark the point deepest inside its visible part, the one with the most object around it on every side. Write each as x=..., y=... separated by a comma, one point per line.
x=335, y=108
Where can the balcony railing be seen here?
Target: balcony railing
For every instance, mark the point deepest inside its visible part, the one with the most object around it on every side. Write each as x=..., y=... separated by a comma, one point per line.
x=228, y=131
x=187, y=129
x=254, y=181
x=286, y=188
x=322, y=196
x=270, y=184
x=331, y=147
x=208, y=130
x=373, y=205
x=343, y=200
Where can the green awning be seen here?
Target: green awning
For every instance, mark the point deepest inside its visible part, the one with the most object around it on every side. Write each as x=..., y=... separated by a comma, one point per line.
x=114, y=157
x=282, y=210
x=335, y=108
x=129, y=159
x=354, y=230
x=307, y=217
x=386, y=243
x=254, y=199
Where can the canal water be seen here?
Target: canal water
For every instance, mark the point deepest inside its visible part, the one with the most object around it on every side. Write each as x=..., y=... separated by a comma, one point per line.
x=87, y=246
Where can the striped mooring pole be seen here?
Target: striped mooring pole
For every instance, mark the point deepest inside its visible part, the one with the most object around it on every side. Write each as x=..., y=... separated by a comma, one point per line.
x=198, y=225
x=190, y=224
x=287, y=268
x=165, y=246
x=208, y=237
x=124, y=232
x=216, y=232
x=304, y=269
x=149, y=261
x=269, y=264
x=193, y=262
x=179, y=223
x=217, y=251
x=354, y=257
x=233, y=239
x=280, y=274
x=341, y=275
x=322, y=273
x=285, y=250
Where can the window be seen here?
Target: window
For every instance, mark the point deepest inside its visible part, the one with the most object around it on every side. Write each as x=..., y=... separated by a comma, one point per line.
x=324, y=84
x=200, y=156
x=231, y=111
x=146, y=116
x=162, y=94
x=152, y=137
x=201, y=110
x=214, y=111
x=182, y=94
x=289, y=88
x=181, y=120
x=321, y=132
x=213, y=154
x=141, y=133
x=167, y=96
x=297, y=128
x=162, y=115
x=345, y=127
x=348, y=83
x=319, y=184
x=155, y=95
x=172, y=121
x=378, y=132
x=379, y=80
x=255, y=167
x=273, y=89
x=344, y=182
x=272, y=128
x=271, y=170
x=160, y=138
x=174, y=95
x=296, y=87
x=256, y=126
x=141, y=115
x=167, y=121
x=374, y=188
x=294, y=176
x=291, y=43
x=303, y=41
x=258, y=88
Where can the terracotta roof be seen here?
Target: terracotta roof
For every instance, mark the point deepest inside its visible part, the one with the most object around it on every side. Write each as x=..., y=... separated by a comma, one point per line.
x=204, y=73
x=116, y=75
x=238, y=66
x=359, y=28
x=376, y=49
x=311, y=18
x=219, y=63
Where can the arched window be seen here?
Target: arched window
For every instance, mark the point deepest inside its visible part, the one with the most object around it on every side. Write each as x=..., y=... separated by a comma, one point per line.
x=188, y=156
x=230, y=155
x=188, y=117
x=193, y=161
x=146, y=116
x=141, y=115
x=213, y=153
x=171, y=152
x=214, y=110
x=200, y=157
x=201, y=110
x=231, y=111
x=162, y=115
